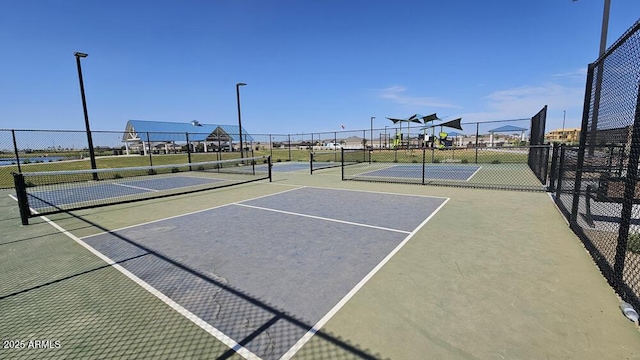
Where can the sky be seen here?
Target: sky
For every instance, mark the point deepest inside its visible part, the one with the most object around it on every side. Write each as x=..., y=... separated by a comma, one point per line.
x=309, y=65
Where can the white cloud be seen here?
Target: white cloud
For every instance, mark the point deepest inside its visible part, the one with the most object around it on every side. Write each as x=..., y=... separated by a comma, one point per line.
x=575, y=74
x=397, y=94
x=525, y=101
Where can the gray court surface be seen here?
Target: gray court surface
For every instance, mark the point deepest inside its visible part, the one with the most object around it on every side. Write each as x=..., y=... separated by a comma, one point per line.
x=83, y=192
x=264, y=271
x=440, y=172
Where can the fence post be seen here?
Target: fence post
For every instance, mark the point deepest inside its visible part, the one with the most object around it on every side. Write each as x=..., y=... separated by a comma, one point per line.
x=424, y=160
x=554, y=168
x=289, y=135
x=15, y=149
x=477, y=134
x=342, y=162
x=23, y=200
x=560, y=173
x=627, y=205
x=583, y=142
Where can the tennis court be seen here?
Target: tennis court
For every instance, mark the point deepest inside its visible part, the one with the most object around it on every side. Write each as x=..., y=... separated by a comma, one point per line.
x=307, y=267
x=310, y=257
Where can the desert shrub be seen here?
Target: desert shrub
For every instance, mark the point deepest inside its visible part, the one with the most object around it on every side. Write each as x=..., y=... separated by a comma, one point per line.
x=633, y=243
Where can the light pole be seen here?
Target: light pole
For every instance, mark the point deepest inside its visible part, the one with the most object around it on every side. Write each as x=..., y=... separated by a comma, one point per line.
x=240, y=118
x=371, y=133
x=385, y=136
x=92, y=155
x=564, y=116
x=599, y=70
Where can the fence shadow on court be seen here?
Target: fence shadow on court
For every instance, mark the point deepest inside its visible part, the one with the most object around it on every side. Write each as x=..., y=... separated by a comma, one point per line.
x=95, y=311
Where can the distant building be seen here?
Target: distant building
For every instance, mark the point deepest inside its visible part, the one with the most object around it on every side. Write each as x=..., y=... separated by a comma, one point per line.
x=569, y=135
x=159, y=136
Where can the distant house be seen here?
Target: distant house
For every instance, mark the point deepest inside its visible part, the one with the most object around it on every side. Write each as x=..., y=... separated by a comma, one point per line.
x=569, y=135
x=142, y=136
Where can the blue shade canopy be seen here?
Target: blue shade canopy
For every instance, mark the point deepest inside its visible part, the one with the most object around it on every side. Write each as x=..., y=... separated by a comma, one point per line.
x=508, y=128
x=454, y=134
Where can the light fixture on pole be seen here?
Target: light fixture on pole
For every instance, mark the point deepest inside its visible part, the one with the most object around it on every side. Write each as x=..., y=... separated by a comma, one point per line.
x=240, y=117
x=92, y=155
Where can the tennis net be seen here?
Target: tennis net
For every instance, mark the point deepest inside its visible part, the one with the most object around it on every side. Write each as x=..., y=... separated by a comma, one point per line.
x=41, y=193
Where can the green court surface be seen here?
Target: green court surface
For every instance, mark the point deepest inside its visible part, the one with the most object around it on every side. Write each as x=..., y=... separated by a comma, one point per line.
x=491, y=275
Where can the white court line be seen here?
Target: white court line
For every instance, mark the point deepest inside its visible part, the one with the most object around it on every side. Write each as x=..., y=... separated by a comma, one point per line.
x=553, y=201
x=135, y=187
x=324, y=218
x=186, y=214
x=474, y=173
x=298, y=345
x=232, y=344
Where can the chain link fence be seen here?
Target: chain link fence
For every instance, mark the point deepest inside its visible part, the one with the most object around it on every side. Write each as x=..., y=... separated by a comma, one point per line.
x=596, y=183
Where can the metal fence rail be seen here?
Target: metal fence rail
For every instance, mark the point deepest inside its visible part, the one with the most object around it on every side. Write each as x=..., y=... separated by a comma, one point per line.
x=494, y=168
x=596, y=184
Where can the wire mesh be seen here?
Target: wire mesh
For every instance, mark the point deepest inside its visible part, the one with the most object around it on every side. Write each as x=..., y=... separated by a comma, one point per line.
x=495, y=168
x=597, y=183
x=57, y=191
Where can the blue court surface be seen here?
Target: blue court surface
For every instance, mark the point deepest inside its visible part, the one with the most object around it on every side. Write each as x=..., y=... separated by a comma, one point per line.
x=104, y=190
x=265, y=271
x=434, y=171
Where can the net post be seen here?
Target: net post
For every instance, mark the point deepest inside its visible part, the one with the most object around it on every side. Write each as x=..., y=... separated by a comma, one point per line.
x=269, y=166
x=15, y=149
x=23, y=200
x=311, y=163
x=149, y=146
x=289, y=137
x=253, y=164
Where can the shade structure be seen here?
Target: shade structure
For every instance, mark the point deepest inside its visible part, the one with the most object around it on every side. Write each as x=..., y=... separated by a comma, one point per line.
x=415, y=118
x=408, y=120
x=507, y=128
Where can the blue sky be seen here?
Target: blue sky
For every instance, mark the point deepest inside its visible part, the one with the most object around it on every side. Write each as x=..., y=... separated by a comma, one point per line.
x=310, y=66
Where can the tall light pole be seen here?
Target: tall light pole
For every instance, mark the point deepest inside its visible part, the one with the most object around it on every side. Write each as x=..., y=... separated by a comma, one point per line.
x=92, y=155
x=564, y=116
x=385, y=136
x=599, y=70
x=605, y=26
x=371, y=133
x=240, y=117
